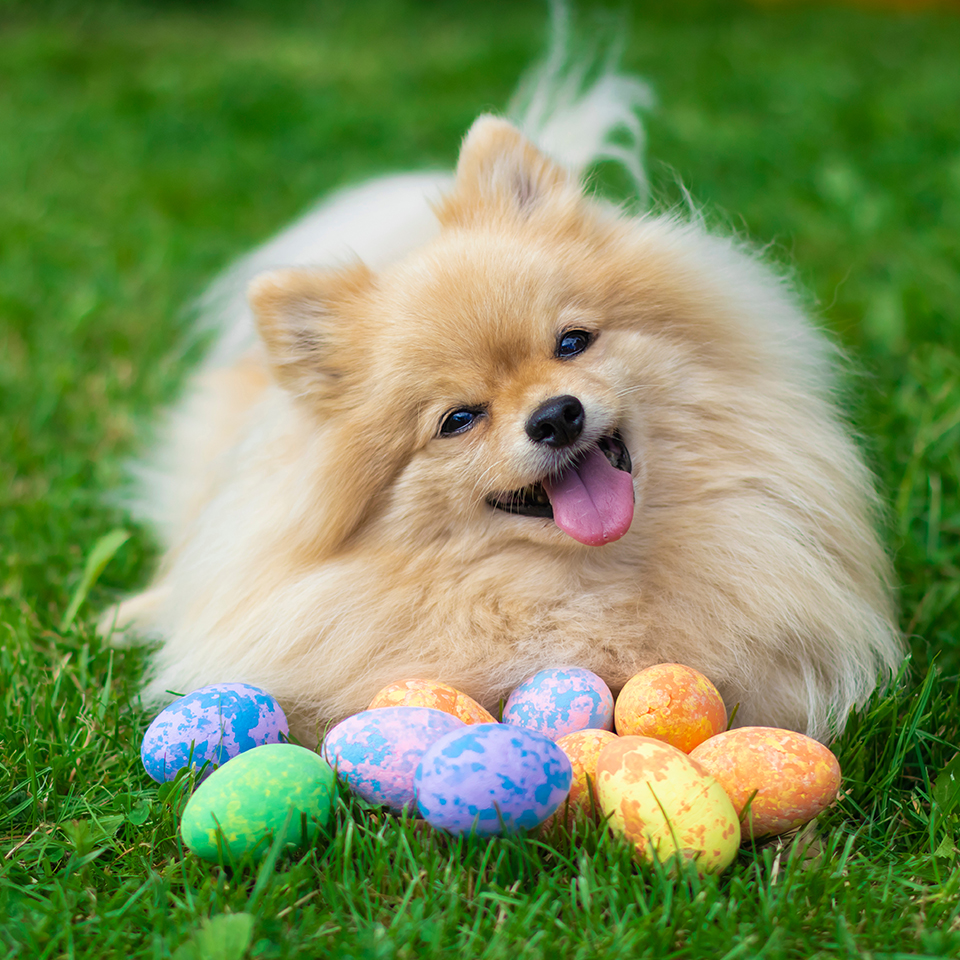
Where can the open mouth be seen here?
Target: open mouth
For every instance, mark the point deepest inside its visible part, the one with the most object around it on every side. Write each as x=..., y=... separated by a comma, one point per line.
x=591, y=499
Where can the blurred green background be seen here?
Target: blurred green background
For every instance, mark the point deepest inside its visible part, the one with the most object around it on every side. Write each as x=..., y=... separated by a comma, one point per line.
x=144, y=145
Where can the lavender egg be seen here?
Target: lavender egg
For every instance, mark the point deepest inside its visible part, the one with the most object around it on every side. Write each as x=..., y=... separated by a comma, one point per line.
x=492, y=779
x=561, y=701
x=211, y=726
x=377, y=752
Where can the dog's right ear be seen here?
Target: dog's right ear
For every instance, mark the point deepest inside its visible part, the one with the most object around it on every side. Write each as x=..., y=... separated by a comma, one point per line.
x=300, y=317
x=501, y=171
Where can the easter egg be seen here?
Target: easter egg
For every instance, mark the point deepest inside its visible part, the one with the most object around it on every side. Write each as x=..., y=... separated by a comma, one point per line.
x=211, y=726
x=491, y=779
x=790, y=777
x=433, y=694
x=377, y=752
x=583, y=751
x=672, y=703
x=561, y=701
x=666, y=804
x=275, y=790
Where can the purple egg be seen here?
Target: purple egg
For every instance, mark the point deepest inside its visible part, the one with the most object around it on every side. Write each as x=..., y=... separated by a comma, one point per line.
x=211, y=726
x=492, y=779
x=561, y=701
x=377, y=752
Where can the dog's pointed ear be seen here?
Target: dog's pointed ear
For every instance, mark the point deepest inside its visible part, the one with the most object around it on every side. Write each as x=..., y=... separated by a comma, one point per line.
x=301, y=317
x=501, y=171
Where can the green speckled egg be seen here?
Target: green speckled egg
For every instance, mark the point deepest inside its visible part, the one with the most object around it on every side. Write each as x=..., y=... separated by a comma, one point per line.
x=251, y=798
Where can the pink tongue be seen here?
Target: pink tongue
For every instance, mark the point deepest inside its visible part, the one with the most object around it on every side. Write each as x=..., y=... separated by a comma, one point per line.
x=592, y=501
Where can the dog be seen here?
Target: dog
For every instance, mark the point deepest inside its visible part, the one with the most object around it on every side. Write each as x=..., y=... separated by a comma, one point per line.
x=469, y=427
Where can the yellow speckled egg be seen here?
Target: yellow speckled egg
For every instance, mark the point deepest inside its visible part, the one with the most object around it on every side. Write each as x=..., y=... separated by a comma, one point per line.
x=583, y=749
x=672, y=703
x=666, y=804
x=436, y=696
x=793, y=776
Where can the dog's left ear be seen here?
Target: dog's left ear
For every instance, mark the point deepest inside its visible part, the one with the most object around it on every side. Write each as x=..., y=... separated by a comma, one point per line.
x=500, y=171
x=302, y=318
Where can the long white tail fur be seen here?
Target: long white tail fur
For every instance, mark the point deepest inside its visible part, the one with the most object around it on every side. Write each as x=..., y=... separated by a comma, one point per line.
x=581, y=110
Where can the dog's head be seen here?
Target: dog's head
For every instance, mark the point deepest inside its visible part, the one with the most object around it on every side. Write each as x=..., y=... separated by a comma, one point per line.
x=494, y=377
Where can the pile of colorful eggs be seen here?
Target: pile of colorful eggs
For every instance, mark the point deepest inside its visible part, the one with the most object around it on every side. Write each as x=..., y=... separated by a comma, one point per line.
x=672, y=779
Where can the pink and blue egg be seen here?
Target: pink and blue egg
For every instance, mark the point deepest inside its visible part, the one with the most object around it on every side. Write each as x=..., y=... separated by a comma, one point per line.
x=561, y=701
x=491, y=779
x=377, y=752
x=209, y=727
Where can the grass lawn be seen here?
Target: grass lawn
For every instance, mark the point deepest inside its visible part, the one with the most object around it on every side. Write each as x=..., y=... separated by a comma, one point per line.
x=143, y=145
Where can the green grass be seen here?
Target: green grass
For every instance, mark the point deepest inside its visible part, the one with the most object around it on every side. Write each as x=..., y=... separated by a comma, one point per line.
x=144, y=145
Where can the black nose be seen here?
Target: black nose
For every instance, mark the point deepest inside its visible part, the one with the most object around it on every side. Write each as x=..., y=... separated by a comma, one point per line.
x=557, y=422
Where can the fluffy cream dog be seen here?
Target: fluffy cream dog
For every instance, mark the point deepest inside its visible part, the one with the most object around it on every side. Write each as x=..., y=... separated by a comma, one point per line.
x=478, y=426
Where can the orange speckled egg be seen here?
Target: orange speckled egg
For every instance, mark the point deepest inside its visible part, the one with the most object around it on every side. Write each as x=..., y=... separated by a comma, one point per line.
x=794, y=777
x=666, y=804
x=672, y=703
x=583, y=748
x=436, y=696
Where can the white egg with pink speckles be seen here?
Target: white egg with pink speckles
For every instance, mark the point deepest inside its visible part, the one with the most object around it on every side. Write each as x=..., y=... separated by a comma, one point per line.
x=210, y=726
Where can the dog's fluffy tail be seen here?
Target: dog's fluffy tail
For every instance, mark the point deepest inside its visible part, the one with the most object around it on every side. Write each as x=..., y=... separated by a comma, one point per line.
x=580, y=109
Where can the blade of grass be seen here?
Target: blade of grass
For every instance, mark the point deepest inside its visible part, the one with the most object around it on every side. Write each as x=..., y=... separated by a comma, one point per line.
x=104, y=550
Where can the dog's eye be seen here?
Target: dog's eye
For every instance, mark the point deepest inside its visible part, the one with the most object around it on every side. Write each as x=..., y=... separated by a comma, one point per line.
x=458, y=421
x=572, y=342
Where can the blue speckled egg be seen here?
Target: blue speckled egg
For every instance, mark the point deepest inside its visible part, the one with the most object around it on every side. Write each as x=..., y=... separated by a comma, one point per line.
x=278, y=790
x=561, y=701
x=211, y=725
x=377, y=752
x=492, y=779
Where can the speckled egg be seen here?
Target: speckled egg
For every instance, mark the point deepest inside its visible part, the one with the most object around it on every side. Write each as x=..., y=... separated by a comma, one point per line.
x=491, y=779
x=211, y=726
x=436, y=696
x=672, y=703
x=666, y=804
x=583, y=751
x=561, y=701
x=377, y=752
x=277, y=789
x=794, y=777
